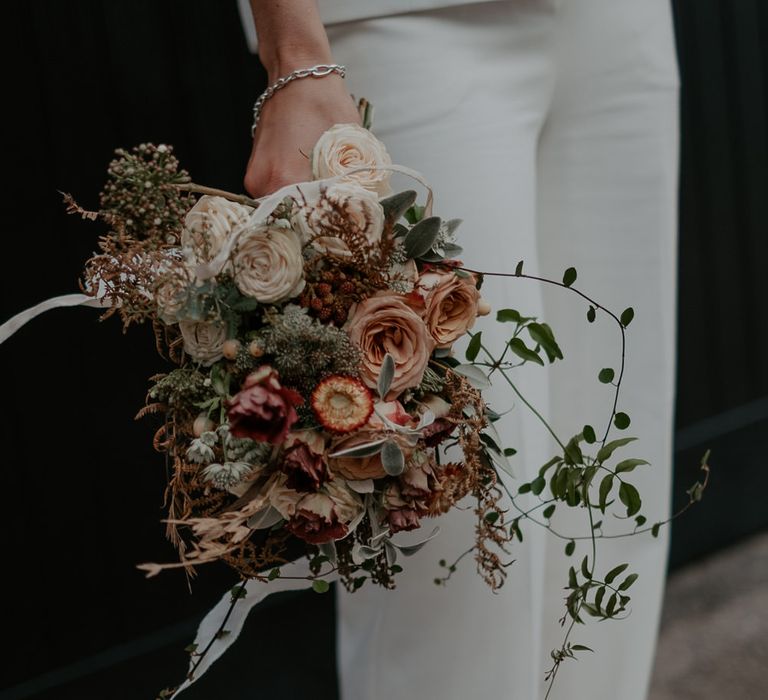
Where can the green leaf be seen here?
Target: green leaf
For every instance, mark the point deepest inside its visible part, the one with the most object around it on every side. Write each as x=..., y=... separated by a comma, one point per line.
x=525, y=488
x=611, y=605
x=414, y=214
x=542, y=334
x=508, y=315
x=621, y=421
x=630, y=497
x=491, y=517
x=627, y=465
x=580, y=647
x=509, y=451
x=396, y=205
x=570, y=548
x=549, y=511
x=606, y=375
x=519, y=269
x=474, y=346
x=640, y=520
x=626, y=316
x=569, y=277
x=655, y=529
x=275, y=573
x=538, y=484
x=589, y=434
x=386, y=375
x=518, y=347
x=608, y=449
x=599, y=596
x=392, y=458
x=613, y=573
x=573, y=454
x=320, y=585
x=573, y=582
x=627, y=582
x=585, y=568
x=591, y=314
x=422, y=237
x=605, y=488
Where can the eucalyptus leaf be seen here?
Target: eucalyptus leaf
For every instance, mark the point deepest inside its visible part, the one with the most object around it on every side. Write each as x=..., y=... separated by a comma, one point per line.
x=386, y=375
x=366, y=450
x=396, y=205
x=361, y=485
x=422, y=237
x=451, y=250
x=392, y=458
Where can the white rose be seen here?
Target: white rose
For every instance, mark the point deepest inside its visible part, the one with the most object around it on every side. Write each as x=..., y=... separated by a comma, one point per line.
x=347, y=146
x=208, y=224
x=361, y=208
x=268, y=264
x=203, y=340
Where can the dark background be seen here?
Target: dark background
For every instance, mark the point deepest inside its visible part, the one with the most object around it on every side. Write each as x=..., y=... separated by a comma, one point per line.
x=84, y=77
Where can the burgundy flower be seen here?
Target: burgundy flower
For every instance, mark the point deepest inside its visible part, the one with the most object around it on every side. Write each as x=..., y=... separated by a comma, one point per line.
x=402, y=519
x=325, y=515
x=263, y=410
x=306, y=470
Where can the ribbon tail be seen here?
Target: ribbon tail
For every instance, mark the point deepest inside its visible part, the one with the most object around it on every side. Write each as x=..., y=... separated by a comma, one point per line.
x=14, y=323
x=256, y=591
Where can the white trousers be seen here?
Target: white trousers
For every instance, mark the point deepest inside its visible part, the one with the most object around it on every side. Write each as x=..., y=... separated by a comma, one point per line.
x=551, y=128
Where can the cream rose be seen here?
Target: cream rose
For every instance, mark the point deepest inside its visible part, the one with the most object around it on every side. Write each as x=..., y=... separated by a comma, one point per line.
x=347, y=146
x=385, y=324
x=450, y=305
x=208, y=224
x=268, y=264
x=361, y=209
x=203, y=340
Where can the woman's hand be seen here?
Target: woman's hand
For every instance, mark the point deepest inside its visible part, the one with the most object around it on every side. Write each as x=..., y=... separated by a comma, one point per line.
x=291, y=121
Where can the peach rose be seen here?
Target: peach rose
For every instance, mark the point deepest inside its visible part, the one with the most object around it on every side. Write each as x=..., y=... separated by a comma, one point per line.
x=383, y=324
x=451, y=305
x=344, y=147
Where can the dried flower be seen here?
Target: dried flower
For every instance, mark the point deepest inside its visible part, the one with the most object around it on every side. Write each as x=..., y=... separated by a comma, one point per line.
x=326, y=515
x=263, y=410
x=342, y=404
x=225, y=476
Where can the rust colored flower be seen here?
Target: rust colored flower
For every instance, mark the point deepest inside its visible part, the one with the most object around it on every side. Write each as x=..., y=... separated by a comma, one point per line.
x=402, y=519
x=263, y=409
x=383, y=324
x=305, y=468
x=451, y=305
x=342, y=404
x=326, y=515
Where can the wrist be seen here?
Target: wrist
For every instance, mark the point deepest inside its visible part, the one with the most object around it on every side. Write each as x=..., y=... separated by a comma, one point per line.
x=281, y=60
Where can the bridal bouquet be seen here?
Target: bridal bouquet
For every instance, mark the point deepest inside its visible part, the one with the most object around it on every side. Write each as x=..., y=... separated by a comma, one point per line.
x=315, y=406
x=315, y=374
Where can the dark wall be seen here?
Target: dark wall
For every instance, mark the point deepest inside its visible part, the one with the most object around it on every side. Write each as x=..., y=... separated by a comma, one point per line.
x=722, y=393
x=83, y=487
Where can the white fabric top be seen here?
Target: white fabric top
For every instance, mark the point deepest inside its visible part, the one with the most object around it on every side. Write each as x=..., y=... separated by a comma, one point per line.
x=335, y=11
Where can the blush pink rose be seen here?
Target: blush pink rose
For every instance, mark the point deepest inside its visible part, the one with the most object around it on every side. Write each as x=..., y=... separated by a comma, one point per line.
x=383, y=324
x=451, y=305
x=263, y=410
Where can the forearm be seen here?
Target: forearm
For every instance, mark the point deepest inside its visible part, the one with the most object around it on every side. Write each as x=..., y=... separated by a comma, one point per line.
x=291, y=35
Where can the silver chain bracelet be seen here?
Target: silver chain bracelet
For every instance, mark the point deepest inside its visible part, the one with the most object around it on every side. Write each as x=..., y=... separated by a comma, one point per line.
x=318, y=71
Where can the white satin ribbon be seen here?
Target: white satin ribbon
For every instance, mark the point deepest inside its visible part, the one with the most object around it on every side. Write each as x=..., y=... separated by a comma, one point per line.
x=256, y=591
x=15, y=322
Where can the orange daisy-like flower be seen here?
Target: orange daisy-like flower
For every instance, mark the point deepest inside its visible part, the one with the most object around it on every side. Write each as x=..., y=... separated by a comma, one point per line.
x=342, y=404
